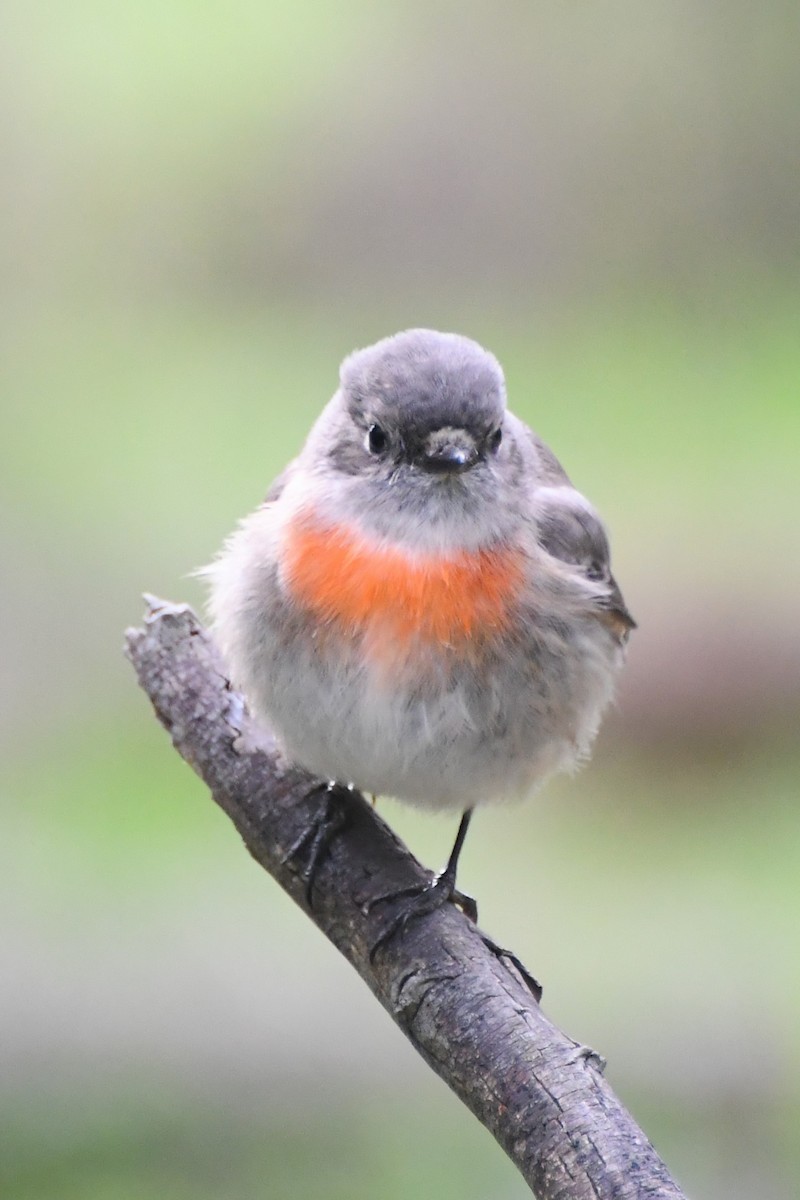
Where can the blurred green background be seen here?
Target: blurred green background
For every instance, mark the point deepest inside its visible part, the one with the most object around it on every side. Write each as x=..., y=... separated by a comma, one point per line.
x=204, y=207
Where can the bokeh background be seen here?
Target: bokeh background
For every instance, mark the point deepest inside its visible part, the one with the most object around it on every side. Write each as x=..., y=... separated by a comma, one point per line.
x=204, y=207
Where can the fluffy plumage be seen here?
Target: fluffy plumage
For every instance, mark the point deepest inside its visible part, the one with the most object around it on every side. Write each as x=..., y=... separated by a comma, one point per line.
x=424, y=605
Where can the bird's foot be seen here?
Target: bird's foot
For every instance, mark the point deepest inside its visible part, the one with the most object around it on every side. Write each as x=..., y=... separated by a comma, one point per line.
x=314, y=842
x=422, y=898
x=532, y=984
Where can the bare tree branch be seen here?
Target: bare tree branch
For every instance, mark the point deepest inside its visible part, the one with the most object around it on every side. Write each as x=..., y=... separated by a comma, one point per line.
x=467, y=1008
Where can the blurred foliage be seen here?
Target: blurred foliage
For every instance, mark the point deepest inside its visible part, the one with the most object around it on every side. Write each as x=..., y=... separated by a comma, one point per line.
x=203, y=210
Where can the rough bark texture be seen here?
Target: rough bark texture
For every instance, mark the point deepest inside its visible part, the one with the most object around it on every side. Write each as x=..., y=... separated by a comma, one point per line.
x=469, y=1010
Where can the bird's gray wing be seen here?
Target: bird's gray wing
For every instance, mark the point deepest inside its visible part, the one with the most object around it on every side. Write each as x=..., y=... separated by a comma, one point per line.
x=549, y=471
x=276, y=487
x=570, y=530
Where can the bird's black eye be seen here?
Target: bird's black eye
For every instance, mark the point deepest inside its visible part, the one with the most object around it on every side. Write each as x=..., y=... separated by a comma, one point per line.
x=495, y=439
x=377, y=439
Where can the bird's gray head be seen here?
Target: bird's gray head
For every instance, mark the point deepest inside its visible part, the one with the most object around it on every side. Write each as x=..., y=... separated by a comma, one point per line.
x=434, y=401
x=417, y=431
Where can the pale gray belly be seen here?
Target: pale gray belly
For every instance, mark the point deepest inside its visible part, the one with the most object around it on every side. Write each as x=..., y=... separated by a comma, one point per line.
x=464, y=734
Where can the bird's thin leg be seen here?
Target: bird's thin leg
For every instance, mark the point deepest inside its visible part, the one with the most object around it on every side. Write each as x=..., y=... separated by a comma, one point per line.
x=314, y=842
x=427, y=897
x=449, y=873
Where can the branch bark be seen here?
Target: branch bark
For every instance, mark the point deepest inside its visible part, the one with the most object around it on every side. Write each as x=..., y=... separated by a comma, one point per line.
x=469, y=1010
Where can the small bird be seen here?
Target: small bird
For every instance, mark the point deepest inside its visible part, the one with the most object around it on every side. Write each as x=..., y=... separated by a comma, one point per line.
x=423, y=606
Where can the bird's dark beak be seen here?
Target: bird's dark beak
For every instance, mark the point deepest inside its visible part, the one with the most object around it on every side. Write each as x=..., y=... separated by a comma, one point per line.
x=448, y=452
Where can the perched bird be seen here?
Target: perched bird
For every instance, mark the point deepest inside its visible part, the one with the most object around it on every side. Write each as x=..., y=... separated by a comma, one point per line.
x=423, y=606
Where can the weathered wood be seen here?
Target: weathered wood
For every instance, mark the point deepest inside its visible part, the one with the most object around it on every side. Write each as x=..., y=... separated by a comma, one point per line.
x=468, y=1009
